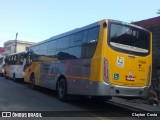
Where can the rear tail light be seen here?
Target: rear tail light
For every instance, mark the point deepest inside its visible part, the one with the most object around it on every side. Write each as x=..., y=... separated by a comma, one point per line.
x=105, y=70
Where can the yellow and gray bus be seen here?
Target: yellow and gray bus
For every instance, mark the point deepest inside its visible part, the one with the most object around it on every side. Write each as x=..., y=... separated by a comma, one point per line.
x=104, y=59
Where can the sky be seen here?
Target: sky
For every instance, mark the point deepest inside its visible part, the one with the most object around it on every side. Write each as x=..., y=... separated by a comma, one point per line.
x=37, y=20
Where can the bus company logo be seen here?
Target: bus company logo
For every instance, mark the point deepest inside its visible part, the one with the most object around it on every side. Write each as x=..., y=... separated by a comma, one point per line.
x=21, y=114
x=6, y=114
x=130, y=77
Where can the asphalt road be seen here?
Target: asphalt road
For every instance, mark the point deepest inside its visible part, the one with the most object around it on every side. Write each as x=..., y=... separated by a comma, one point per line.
x=17, y=96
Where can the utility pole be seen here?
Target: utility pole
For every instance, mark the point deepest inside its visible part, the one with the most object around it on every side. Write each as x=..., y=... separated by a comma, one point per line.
x=16, y=43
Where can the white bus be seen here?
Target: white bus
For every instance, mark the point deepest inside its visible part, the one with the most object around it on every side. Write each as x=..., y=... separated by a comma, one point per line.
x=17, y=61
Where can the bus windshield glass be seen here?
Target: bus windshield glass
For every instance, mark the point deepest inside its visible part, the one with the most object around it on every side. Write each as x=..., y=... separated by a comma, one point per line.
x=129, y=39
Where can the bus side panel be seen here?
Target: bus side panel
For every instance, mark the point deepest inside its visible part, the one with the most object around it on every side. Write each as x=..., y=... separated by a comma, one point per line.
x=17, y=70
x=27, y=73
x=50, y=72
x=35, y=69
x=80, y=86
x=77, y=73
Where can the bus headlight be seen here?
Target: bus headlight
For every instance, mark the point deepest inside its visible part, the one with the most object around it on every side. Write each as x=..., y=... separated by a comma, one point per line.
x=149, y=76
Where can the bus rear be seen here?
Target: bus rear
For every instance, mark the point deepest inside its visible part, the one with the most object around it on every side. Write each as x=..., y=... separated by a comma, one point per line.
x=127, y=59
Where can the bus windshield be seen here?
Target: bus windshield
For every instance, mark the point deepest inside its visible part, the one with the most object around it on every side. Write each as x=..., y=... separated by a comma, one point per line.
x=129, y=39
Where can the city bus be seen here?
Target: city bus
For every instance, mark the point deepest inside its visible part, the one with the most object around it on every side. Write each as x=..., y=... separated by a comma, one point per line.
x=2, y=63
x=15, y=66
x=104, y=59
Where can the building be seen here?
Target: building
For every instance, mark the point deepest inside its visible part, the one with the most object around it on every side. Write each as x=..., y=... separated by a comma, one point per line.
x=14, y=46
x=153, y=25
x=2, y=51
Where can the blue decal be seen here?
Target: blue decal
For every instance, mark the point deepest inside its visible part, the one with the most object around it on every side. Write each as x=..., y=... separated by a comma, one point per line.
x=116, y=76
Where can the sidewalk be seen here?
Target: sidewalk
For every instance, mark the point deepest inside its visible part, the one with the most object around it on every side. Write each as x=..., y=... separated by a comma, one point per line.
x=135, y=106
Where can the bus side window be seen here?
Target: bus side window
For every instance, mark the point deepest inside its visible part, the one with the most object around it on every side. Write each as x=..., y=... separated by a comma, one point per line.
x=63, y=43
x=75, y=52
x=93, y=35
x=51, y=48
x=62, y=48
x=76, y=45
x=84, y=45
x=92, y=40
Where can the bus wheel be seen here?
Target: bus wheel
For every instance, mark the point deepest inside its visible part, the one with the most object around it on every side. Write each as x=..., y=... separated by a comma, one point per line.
x=14, y=77
x=62, y=89
x=32, y=81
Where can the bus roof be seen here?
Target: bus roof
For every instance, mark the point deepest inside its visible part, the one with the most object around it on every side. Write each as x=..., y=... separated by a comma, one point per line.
x=84, y=28
x=68, y=33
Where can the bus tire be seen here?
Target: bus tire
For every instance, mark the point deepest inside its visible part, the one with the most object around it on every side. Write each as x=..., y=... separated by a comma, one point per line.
x=32, y=81
x=62, y=89
x=14, y=77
